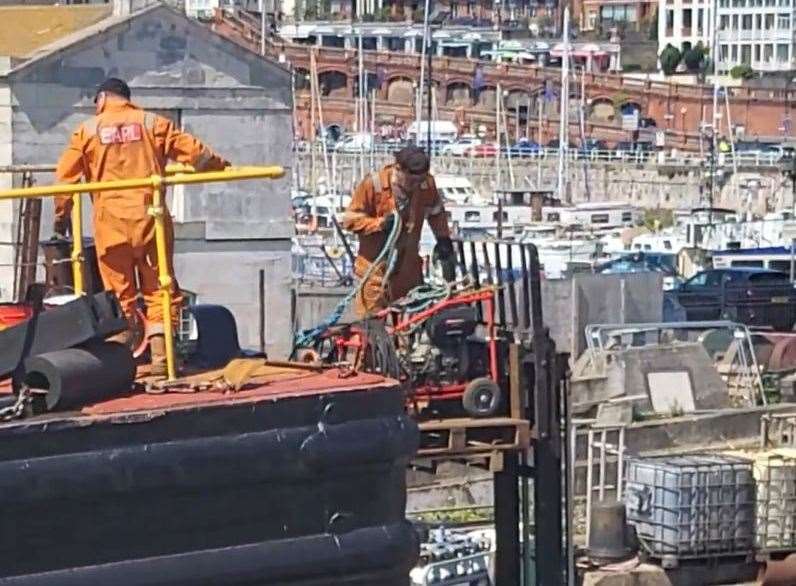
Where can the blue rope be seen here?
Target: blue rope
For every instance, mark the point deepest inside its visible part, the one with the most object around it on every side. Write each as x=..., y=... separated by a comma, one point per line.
x=308, y=337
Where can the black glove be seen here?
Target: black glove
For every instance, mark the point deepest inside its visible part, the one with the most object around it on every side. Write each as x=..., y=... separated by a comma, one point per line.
x=388, y=224
x=443, y=249
x=62, y=227
x=443, y=255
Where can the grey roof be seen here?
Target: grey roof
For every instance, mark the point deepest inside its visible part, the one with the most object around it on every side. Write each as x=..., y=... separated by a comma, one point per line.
x=112, y=23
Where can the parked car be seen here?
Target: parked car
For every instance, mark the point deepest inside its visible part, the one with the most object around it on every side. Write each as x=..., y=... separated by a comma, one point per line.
x=524, y=148
x=553, y=145
x=481, y=150
x=780, y=152
x=753, y=296
x=459, y=147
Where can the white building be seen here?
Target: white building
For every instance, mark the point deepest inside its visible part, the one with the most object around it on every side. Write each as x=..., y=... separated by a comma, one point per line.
x=684, y=23
x=759, y=33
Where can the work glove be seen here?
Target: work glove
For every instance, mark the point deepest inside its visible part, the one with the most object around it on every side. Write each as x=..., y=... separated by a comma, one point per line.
x=388, y=223
x=62, y=227
x=443, y=249
x=444, y=256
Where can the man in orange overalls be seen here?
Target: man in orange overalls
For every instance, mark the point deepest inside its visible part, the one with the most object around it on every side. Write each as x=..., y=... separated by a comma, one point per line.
x=124, y=142
x=408, y=188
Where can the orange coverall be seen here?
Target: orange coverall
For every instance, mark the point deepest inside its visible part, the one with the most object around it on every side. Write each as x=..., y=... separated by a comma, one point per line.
x=125, y=142
x=365, y=216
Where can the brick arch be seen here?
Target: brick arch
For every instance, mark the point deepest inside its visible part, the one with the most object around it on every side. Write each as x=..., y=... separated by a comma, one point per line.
x=333, y=83
x=400, y=89
x=602, y=110
x=486, y=97
x=517, y=97
x=458, y=93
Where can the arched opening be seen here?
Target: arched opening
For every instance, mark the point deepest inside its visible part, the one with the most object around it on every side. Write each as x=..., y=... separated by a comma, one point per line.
x=602, y=110
x=332, y=83
x=486, y=97
x=459, y=94
x=400, y=90
x=630, y=107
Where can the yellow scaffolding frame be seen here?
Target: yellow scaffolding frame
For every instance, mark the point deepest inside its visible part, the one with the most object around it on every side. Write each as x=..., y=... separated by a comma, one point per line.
x=175, y=175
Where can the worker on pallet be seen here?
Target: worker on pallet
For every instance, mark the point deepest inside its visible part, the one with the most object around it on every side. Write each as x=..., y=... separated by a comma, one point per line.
x=124, y=142
x=408, y=189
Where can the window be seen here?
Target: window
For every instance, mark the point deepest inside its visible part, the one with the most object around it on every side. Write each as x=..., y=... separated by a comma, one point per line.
x=780, y=265
x=748, y=263
x=553, y=217
x=769, y=22
x=746, y=54
x=758, y=22
x=768, y=53
x=599, y=218
x=687, y=16
x=746, y=22
x=771, y=2
x=724, y=52
x=724, y=22
x=627, y=216
x=783, y=22
x=699, y=280
x=700, y=18
x=472, y=216
x=757, y=52
x=769, y=278
x=505, y=217
x=669, y=22
x=782, y=53
x=734, y=52
x=735, y=22
x=724, y=3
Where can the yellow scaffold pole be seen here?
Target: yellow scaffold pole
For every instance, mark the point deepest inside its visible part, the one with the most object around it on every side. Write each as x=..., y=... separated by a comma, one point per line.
x=176, y=175
x=77, y=244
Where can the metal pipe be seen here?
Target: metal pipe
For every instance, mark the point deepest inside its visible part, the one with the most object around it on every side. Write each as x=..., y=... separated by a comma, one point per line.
x=229, y=174
x=77, y=244
x=157, y=211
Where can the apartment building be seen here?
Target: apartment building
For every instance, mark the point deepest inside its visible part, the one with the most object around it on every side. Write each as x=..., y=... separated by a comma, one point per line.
x=759, y=33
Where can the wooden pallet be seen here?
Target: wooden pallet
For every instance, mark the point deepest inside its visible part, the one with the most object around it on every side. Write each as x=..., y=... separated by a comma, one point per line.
x=472, y=437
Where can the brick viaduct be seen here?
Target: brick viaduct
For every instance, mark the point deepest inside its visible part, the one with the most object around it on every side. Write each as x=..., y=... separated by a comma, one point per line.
x=678, y=109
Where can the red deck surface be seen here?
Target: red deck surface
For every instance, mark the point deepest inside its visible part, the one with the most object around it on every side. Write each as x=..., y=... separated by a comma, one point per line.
x=263, y=388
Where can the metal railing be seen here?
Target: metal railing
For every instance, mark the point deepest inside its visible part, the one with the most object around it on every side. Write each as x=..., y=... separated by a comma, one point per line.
x=180, y=175
x=754, y=159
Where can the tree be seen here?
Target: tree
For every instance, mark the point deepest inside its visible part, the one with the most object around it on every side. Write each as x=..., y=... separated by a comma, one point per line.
x=742, y=71
x=695, y=58
x=670, y=58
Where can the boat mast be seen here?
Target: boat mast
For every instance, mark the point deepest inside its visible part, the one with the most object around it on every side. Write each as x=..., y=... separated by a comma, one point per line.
x=563, y=128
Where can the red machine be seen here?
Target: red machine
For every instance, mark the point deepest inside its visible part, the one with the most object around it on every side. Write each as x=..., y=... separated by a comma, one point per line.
x=445, y=354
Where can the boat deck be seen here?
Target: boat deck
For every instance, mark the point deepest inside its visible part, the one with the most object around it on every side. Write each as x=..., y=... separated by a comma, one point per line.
x=206, y=389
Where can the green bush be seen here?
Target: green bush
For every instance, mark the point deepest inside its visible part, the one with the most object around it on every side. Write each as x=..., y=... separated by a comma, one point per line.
x=742, y=71
x=670, y=58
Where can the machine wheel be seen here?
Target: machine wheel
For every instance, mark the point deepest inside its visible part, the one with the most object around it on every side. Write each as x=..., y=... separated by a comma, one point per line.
x=481, y=397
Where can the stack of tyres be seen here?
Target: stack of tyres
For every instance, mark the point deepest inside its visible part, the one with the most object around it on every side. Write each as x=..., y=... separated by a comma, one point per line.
x=692, y=507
